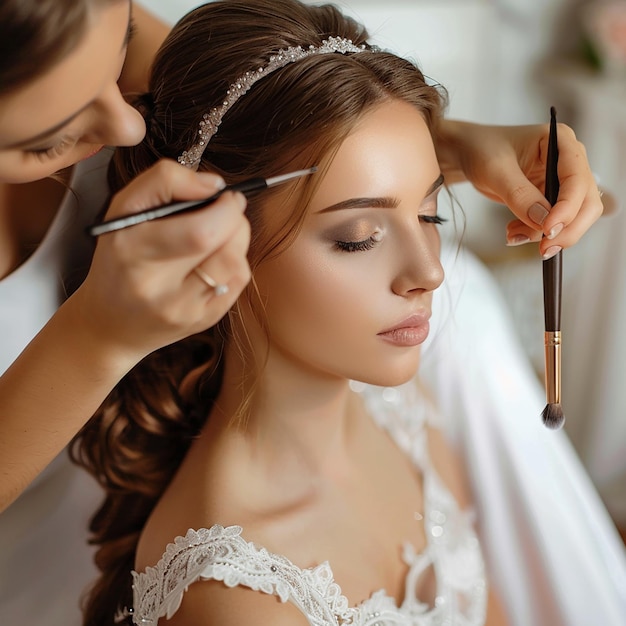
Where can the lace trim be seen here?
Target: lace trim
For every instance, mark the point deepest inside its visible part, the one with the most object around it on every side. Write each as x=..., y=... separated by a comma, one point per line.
x=222, y=554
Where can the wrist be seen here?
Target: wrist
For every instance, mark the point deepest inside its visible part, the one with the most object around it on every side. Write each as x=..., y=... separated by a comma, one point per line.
x=108, y=357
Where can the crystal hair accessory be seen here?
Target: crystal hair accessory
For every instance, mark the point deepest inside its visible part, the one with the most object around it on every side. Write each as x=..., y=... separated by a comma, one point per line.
x=211, y=120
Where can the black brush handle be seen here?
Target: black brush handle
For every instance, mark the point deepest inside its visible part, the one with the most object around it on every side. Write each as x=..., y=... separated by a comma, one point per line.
x=177, y=208
x=552, y=276
x=552, y=268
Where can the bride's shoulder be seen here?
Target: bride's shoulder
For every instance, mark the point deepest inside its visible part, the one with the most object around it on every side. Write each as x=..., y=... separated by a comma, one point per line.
x=214, y=576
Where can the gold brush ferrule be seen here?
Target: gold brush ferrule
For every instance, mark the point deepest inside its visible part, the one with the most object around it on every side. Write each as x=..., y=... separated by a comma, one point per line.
x=552, y=341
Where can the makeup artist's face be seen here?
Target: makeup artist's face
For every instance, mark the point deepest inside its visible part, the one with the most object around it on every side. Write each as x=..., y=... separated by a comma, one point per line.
x=74, y=109
x=351, y=297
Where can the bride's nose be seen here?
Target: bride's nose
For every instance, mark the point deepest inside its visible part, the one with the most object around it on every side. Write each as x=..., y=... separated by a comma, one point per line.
x=419, y=267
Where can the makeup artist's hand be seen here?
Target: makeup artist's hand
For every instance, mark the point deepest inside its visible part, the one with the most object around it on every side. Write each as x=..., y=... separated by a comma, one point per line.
x=142, y=291
x=507, y=164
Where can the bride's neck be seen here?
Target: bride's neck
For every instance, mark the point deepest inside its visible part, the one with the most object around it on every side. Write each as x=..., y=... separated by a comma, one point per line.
x=292, y=410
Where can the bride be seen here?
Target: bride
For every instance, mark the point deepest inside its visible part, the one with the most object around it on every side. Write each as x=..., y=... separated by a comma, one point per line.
x=245, y=464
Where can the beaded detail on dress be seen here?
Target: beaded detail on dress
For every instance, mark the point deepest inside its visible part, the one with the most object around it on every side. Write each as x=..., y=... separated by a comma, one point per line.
x=452, y=551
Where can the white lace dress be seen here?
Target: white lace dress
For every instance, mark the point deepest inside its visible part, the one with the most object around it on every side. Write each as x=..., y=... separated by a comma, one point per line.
x=452, y=551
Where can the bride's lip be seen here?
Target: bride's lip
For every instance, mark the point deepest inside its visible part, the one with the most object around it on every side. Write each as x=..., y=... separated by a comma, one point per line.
x=413, y=321
x=409, y=332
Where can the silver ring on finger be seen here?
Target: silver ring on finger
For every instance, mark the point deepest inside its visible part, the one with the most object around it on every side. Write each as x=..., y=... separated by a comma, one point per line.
x=219, y=288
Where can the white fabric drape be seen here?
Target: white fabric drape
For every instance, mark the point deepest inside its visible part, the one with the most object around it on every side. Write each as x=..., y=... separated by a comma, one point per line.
x=553, y=552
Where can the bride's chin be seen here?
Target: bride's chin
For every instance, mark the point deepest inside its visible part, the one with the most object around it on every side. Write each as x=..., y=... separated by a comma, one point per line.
x=391, y=377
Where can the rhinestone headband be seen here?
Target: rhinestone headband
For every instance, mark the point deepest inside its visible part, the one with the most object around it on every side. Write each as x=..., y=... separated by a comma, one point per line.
x=211, y=120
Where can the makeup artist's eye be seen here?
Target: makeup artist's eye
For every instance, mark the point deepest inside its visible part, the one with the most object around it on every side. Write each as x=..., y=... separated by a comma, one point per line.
x=360, y=246
x=52, y=152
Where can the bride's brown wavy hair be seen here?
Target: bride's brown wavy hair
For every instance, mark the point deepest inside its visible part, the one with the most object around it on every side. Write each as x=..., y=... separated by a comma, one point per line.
x=294, y=118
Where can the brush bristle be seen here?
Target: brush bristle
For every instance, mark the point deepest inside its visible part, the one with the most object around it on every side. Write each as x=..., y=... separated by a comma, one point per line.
x=553, y=416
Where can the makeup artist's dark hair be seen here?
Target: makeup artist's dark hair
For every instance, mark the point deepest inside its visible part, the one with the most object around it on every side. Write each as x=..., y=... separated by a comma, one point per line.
x=35, y=35
x=294, y=118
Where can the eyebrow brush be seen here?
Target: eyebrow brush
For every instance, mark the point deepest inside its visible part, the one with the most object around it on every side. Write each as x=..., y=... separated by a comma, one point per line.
x=552, y=414
x=246, y=187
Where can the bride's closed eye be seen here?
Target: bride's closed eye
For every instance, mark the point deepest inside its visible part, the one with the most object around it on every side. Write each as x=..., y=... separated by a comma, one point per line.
x=360, y=246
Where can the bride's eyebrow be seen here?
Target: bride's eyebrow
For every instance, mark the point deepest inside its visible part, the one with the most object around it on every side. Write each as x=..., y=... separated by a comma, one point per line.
x=438, y=183
x=363, y=203
x=383, y=202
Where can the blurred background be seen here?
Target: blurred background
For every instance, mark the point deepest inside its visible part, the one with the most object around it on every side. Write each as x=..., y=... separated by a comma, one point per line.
x=507, y=62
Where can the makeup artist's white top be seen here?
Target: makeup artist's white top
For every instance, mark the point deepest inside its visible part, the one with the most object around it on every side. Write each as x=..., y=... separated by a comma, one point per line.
x=452, y=552
x=45, y=562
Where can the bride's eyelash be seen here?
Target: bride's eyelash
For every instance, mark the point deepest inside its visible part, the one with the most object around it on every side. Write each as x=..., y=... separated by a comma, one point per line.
x=357, y=246
x=433, y=219
x=360, y=246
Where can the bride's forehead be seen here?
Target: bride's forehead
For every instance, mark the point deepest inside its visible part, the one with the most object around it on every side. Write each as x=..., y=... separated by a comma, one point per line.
x=391, y=143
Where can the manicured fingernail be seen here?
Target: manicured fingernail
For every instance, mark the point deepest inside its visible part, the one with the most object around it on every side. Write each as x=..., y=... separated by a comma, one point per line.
x=551, y=251
x=538, y=213
x=554, y=231
x=517, y=240
x=212, y=181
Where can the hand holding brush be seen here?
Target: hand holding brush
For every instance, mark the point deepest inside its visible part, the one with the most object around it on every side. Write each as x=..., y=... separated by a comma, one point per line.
x=552, y=414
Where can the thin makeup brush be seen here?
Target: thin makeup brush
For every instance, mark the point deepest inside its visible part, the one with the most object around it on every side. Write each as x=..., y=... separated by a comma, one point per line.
x=552, y=415
x=246, y=187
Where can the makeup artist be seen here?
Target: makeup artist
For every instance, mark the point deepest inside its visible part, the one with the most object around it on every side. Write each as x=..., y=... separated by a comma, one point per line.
x=64, y=65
